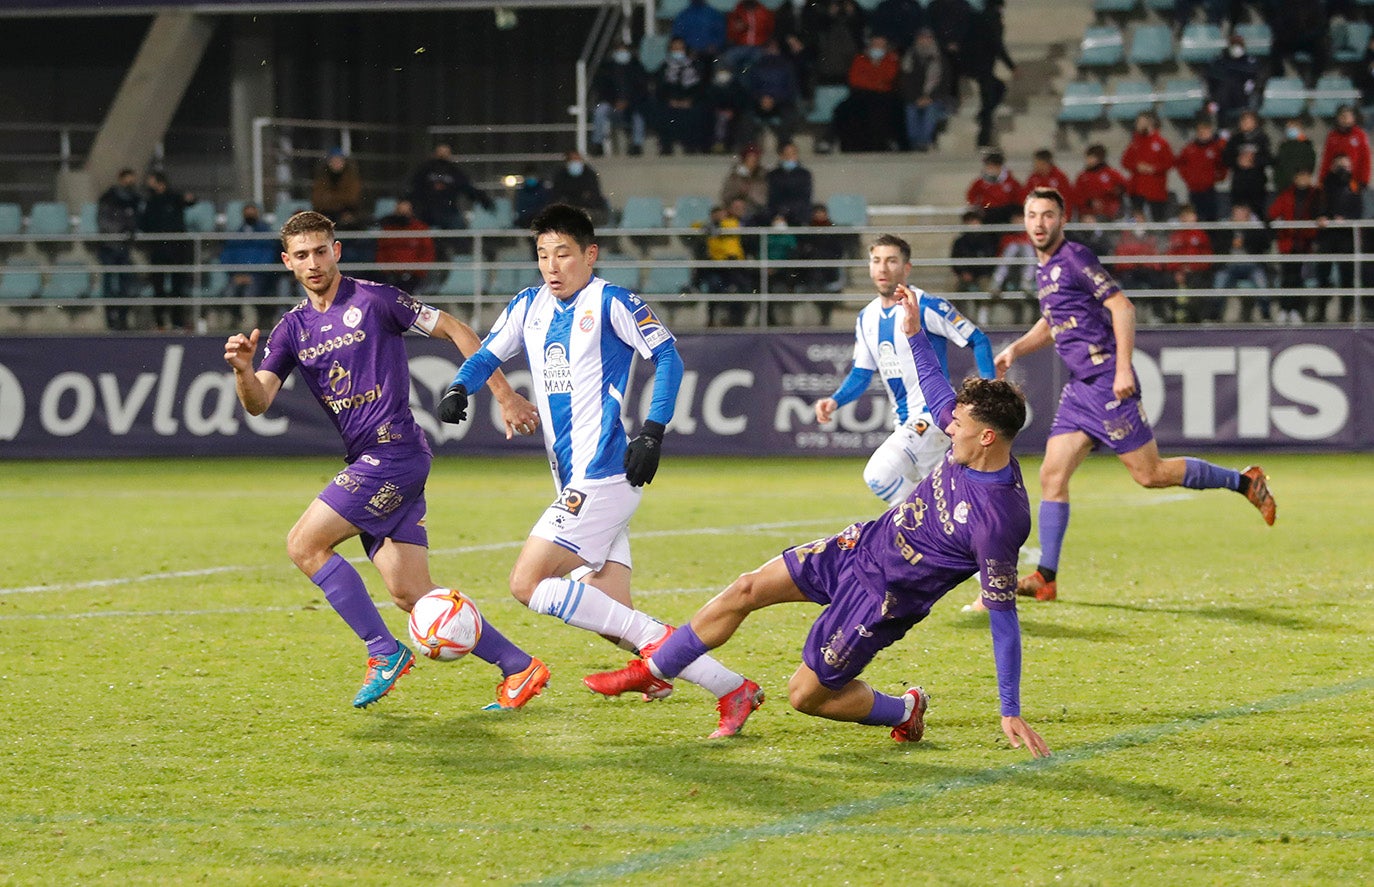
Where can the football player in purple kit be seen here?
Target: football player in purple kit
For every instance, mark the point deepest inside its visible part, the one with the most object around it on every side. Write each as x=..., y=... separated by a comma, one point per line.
x=346, y=339
x=878, y=578
x=1092, y=326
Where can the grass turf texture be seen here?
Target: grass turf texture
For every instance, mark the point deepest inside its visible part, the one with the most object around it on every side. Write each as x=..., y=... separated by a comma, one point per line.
x=176, y=696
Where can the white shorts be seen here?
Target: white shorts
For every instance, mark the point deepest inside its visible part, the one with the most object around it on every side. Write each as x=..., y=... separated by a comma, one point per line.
x=591, y=518
x=923, y=442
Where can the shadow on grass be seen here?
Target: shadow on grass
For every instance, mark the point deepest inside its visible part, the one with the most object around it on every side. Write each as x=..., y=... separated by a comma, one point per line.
x=1240, y=615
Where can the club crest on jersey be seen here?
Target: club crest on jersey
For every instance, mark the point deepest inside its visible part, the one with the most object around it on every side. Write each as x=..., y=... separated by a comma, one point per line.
x=557, y=370
x=352, y=317
x=571, y=501
x=586, y=323
x=961, y=513
x=654, y=333
x=1054, y=273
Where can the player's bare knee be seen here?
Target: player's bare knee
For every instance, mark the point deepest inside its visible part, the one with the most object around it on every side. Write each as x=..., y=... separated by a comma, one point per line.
x=742, y=594
x=802, y=696
x=1152, y=477
x=522, y=584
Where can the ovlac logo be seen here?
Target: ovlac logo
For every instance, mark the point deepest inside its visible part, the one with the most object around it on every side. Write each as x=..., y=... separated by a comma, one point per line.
x=352, y=317
x=586, y=323
x=1054, y=274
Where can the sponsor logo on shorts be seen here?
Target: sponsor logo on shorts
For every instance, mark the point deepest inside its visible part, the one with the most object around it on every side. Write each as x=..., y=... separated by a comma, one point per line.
x=571, y=501
x=346, y=481
x=370, y=460
x=385, y=500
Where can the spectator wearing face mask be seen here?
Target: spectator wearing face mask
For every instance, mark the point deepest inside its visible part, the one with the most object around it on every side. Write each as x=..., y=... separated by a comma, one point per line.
x=1147, y=161
x=681, y=113
x=621, y=88
x=1045, y=174
x=1099, y=187
x=747, y=181
x=1342, y=201
x=1233, y=82
x=872, y=118
x=1295, y=152
x=1201, y=167
x=996, y=193
x=1347, y=138
x=789, y=187
x=577, y=184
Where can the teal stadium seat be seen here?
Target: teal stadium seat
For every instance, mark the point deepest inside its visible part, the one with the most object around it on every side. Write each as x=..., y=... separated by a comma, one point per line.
x=1259, y=40
x=48, y=218
x=1332, y=91
x=866, y=5
x=383, y=207
x=1182, y=99
x=68, y=279
x=1284, y=98
x=848, y=210
x=668, y=279
x=1200, y=44
x=653, y=49
x=462, y=279
x=1115, y=7
x=233, y=213
x=21, y=278
x=627, y=275
x=200, y=217
x=1132, y=97
x=1152, y=46
x=1349, y=40
x=1103, y=46
x=11, y=218
x=285, y=209
x=87, y=219
x=1082, y=102
x=691, y=209
x=498, y=218
x=506, y=282
x=824, y=102
x=642, y=212
x=1163, y=8
x=668, y=9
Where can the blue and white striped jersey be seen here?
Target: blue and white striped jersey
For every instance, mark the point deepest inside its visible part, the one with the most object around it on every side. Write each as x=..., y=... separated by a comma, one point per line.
x=579, y=351
x=880, y=345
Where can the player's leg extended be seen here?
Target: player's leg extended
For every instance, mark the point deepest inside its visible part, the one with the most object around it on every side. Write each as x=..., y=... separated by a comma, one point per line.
x=1150, y=470
x=1064, y=453
x=405, y=570
x=901, y=461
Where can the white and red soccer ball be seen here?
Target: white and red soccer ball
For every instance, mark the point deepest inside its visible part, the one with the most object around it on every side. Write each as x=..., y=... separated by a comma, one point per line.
x=445, y=624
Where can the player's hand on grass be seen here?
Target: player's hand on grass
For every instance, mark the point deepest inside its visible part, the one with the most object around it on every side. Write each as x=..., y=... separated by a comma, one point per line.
x=519, y=416
x=1019, y=732
x=453, y=406
x=825, y=409
x=239, y=350
x=641, y=456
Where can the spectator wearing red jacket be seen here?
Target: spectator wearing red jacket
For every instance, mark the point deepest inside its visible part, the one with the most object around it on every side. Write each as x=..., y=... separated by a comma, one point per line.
x=873, y=117
x=1300, y=201
x=405, y=252
x=1194, y=277
x=1147, y=161
x=747, y=28
x=1099, y=188
x=1138, y=241
x=1044, y=174
x=996, y=193
x=1347, y=138
x=1201, y=167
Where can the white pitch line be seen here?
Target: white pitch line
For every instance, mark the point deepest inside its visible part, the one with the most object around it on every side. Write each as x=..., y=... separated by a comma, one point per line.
x=466, y=549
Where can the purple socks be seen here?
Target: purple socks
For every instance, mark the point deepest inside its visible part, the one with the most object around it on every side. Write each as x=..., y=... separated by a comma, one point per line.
x=1201, y=475
x=678, y=652
x=346, y=593
x=493, y=647
x=888, y=711
x=1054, y=523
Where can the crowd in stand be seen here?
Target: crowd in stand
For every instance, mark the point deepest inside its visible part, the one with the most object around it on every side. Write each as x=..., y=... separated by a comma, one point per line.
x=1287, y=183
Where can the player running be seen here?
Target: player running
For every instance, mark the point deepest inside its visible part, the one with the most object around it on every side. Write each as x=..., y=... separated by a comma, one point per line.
x=916, y=444
x=580, y=335
x=1091, y=324
x=346, y=340
x=879, y=578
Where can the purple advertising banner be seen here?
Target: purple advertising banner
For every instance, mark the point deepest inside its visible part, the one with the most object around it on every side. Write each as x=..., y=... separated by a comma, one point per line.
x=742, y=394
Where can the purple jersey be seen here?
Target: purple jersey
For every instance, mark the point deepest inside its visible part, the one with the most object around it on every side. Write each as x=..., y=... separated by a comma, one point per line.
x=353, y=359
x=957, y=522
x=1072, y=285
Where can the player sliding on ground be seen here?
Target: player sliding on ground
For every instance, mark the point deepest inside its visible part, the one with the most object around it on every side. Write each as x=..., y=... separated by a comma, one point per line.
x=879, y=578
x=346, y=340
x=1091, y=324
x=580, y=334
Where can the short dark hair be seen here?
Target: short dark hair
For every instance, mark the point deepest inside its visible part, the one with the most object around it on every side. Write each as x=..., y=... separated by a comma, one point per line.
x=560, y=218
x=997, y=403
x=1043, y=193
x=306, y=222
x=892, y=240
x=1096, y=150
x=1043, y=154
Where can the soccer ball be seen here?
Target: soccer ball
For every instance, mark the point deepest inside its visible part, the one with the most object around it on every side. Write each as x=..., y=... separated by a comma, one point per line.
x=445, y=624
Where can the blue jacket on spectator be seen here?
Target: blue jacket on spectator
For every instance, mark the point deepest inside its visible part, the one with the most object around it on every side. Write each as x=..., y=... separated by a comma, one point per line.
x=251, y=251
x=701, y=26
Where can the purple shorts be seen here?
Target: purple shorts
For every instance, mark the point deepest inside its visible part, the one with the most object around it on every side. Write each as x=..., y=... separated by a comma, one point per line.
x=1093, y=408
x=851, y=629
x=384, y=497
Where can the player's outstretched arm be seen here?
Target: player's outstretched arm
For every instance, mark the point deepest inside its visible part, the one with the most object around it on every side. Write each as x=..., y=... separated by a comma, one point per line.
x=256, y=391
x=1034, y=339
x=518, y=415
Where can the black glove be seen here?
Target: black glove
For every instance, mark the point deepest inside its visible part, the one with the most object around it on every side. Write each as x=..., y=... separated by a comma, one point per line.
x=453, y=406
x=641, y=456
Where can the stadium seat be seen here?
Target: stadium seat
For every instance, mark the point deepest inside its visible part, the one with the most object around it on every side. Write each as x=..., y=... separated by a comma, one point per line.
x=20, y=278
x=285, y=209
x=1115, y=7
x=1132, y=97
x=87, y=219
x=1182, y=99
x=210, y=284
x=499, y=217
x=823, y=104
x=68, y=278
x=50, y=217
x=668, y=279
x=11, y=218
x=1349, y=40
x=642, y=212
x=1332, y=91
x=1259, y=40
x=848, y=210
x=383, y=207
x=462, y=279
x=1200, y=44
x=200, y=216
x=1082, y=102
x=506, y=282
x=627, y=277
x=866, y=5
x=233, y=213
x=1284, y=97
x=1163, y=8
x=653, y=49
x=668, y=9
x=1102, y=46
x=723, y=5
x=691, y=209
x=1152, y=46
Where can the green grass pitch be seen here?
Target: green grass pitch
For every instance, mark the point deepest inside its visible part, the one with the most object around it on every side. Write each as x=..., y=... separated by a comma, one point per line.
x=174, y=696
